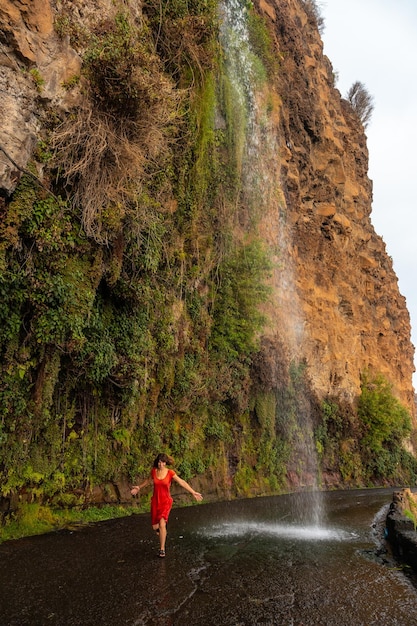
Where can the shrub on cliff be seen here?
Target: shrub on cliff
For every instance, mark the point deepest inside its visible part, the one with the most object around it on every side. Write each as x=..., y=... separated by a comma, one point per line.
x=313, y=10
x=361, y=101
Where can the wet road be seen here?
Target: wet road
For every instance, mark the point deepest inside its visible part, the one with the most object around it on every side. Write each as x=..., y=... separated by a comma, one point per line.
x=253, y=562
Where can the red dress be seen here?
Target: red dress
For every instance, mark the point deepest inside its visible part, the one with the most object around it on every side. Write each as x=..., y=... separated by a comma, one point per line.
x=161, y=501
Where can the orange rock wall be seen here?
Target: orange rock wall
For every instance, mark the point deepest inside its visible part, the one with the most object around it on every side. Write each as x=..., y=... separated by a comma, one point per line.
x=345, y=299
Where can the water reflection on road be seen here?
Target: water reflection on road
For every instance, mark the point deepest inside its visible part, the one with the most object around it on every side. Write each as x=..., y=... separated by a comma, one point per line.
x=253, y=562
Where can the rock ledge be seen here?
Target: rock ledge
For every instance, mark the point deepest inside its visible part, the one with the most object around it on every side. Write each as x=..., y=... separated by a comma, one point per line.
x=401, y=530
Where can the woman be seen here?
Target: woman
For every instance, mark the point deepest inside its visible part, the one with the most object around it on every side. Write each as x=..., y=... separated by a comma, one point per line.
x=161, y=501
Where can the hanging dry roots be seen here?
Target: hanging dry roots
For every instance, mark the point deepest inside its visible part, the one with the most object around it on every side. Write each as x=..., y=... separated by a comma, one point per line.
x=102, y=161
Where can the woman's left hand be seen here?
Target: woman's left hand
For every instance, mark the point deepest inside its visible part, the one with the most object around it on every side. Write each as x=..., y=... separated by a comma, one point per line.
x=197, y=496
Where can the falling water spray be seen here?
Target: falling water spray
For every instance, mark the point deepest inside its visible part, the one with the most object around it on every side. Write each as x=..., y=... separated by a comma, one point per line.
x=256, y=138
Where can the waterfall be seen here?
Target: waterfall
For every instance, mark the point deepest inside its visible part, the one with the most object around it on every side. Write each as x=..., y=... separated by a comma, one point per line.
x=257, y=104
x=244, y=71
x=256, y=119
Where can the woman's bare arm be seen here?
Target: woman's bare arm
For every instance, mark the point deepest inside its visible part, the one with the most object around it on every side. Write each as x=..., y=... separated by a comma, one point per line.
x=187, y=487
x=136, y=488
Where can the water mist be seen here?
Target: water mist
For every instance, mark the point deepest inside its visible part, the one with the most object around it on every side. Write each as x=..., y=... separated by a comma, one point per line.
x=257, y=145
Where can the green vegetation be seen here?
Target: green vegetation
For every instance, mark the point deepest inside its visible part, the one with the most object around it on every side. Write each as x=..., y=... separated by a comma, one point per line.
x=37, y=79
x=237, y=319
x=411, y=516
x=261, y=42
x=386, y=426
x=367, y=447
x=121, y=68
x=36, y=519
x=410, y=510
x=130, y=302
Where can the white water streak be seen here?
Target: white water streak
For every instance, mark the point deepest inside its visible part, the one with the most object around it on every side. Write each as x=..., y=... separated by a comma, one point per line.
x=285, y=531
x=256, y=102
x=260, y=172
x=242, y=68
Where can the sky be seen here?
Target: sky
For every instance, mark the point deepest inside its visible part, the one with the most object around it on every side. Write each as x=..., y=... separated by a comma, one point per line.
x=375, y=42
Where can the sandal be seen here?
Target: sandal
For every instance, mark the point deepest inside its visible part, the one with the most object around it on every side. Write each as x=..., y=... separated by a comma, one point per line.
x=161, y=554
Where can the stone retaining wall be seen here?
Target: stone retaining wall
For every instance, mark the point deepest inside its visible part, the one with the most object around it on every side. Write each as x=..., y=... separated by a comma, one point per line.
x=401, y=531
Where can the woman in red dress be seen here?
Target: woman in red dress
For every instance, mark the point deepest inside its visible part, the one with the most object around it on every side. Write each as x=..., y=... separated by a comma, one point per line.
x=161, y=501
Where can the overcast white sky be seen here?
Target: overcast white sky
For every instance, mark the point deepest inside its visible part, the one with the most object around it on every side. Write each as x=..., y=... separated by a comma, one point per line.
x=375, y=42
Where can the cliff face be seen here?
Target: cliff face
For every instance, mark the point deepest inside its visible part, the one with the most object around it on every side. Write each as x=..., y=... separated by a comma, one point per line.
x=35, y=66
x=137, y=206
x=353, y=315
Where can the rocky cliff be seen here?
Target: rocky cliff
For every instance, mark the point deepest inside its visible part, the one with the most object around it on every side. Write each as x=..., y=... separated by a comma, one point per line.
x=354, y=316
x=147, y=244
x=36, y=64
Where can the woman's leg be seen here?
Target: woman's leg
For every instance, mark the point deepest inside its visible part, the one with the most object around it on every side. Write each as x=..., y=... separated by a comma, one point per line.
x=162, y=533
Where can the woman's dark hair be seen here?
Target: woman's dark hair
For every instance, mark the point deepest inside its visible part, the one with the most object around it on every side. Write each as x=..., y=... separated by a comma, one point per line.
x=165, y=458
